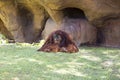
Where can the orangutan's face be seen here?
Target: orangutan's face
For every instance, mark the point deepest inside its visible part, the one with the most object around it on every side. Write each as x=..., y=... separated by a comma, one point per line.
x=57, y=38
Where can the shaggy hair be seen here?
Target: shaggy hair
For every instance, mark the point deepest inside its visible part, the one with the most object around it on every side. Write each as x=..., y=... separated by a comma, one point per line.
x=64, y=43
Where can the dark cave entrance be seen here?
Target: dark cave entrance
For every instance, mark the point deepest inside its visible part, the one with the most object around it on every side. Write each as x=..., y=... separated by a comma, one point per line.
x=74, y=13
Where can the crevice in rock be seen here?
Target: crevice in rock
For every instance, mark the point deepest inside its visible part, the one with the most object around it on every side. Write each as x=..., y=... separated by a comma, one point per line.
x=40, y=37
x=100, y=36
x=42, y=24
x=25, y=18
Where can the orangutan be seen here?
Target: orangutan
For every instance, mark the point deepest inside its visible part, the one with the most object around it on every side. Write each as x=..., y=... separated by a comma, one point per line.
x=59, y=41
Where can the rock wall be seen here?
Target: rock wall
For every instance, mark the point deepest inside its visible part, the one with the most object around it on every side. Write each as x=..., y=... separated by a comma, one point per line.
x=25, y=20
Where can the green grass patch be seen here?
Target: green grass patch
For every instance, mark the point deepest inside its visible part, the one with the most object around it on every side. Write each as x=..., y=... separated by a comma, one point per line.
x=23, y=62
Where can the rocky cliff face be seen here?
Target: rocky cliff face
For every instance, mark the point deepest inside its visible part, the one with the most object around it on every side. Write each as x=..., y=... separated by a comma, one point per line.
x=24, y=20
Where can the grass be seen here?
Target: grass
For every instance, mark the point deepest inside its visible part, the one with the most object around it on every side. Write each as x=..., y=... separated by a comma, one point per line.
x=23, y=62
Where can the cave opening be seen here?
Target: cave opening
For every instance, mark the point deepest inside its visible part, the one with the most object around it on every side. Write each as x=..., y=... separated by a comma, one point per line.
x=26, y=20
x=73, y=13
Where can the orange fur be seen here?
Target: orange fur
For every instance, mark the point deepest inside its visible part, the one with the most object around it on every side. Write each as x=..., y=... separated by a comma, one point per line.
x=65, y=45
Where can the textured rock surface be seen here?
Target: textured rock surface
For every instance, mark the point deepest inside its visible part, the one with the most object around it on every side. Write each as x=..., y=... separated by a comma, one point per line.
x=111, y=33
x=24, y=20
